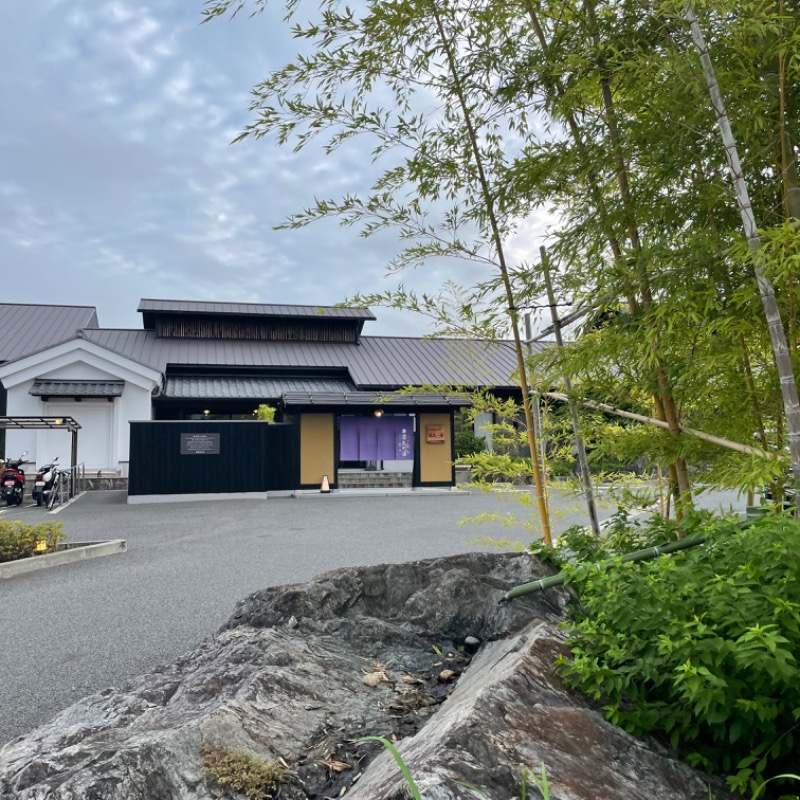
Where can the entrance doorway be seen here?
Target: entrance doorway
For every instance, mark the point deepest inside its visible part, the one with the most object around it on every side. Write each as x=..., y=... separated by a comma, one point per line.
x=376, y=451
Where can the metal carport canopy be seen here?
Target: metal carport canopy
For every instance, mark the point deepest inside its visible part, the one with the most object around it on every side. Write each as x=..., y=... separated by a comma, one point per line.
x=43, y=423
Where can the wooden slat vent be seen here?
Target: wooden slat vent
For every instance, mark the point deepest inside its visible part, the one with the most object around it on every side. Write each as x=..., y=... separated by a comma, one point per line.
x=273, y=330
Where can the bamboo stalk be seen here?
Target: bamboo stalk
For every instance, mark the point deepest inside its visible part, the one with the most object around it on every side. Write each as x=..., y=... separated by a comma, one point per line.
x=780, y=348
x=638, y=555
x=488, y=198
x=586, y=478
x=706, y=437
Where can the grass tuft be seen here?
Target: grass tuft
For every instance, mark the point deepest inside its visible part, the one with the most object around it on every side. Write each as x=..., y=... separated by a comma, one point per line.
x=242, y=771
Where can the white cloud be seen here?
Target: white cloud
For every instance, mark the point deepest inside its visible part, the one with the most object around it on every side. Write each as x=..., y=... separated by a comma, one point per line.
x=117, y=12
x=531, y=233
x=115, y=262
x=121, y=32
x=77, y=18
x=117, y=167
x=180, y=87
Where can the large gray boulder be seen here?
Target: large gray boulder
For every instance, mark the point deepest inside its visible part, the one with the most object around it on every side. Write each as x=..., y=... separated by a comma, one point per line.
x=420, y=653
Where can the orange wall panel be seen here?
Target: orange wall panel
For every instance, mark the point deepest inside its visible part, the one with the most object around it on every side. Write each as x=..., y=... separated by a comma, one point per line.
x=435, y=459
x=316, y=448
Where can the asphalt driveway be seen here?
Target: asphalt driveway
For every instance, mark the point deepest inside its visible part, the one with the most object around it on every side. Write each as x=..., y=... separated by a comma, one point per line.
x=72, y=630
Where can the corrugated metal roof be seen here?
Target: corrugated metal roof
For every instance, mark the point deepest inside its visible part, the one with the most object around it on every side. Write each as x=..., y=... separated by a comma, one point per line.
x=248, y=388
x=45, y=388
x=26, y=328
x=376, y=363
x=251, y=309
x=375, y=399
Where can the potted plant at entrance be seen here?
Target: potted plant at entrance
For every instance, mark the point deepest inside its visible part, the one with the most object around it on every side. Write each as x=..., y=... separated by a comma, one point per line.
x=266, y=413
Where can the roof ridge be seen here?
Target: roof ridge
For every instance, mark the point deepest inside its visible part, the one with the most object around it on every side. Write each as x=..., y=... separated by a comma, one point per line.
x=247, y=303
x=104, y=328
x=49, y=305
x=436, y=338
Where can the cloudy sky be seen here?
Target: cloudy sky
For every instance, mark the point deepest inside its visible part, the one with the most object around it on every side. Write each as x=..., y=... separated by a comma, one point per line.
x=118, y=180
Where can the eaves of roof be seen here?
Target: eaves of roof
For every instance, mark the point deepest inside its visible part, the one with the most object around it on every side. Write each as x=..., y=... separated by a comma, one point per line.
x=153, y=305
x=374, y=399
x=232, y=387
x=59, y=388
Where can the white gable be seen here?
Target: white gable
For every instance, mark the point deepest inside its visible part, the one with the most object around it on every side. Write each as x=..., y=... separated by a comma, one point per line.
x=78, y=371
x=66, y=359
x=104, y=435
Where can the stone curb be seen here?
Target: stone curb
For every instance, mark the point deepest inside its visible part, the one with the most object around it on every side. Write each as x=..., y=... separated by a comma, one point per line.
x=305, y=494
x=77, y=551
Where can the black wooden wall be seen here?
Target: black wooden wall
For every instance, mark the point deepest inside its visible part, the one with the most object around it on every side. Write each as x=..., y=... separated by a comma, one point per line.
x=253, y=457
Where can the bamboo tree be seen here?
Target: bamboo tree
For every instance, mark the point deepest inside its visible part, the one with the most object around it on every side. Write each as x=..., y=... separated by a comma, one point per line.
x=622, y=127
x=791, y=404
x=445, y=158
x=677, y=312
x=583, y=463
x=665, y=403
x=499, y=247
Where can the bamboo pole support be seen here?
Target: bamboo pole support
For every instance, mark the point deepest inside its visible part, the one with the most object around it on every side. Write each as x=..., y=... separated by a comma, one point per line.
x=586, y=478
x=706, y=437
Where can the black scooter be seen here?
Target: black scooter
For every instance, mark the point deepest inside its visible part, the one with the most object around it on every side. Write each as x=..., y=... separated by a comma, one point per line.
x=12, y=482
x=45, y=482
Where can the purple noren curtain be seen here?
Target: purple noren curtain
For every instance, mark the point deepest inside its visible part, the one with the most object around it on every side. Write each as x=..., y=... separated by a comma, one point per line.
x=376, y=439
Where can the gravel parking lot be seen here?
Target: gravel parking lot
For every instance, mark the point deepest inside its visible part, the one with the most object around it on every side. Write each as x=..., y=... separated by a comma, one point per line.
x=72, y=630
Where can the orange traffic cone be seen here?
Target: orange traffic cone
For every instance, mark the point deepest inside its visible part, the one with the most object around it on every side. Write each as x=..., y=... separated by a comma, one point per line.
x=326, y=487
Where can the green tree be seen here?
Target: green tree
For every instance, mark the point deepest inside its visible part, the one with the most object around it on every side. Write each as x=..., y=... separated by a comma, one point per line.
x=481, y=113
x=780, y=349
x=659, y=227
x=441, y=130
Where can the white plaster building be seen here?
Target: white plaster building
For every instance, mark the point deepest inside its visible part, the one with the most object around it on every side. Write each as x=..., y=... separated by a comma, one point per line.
x=101, y=390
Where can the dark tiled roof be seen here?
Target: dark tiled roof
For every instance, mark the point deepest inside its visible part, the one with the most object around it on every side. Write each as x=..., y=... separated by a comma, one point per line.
x=248, y=388
x=375, y=399
x=376, y=363
x=27, y=328
x=45, y=388
x=252, y=309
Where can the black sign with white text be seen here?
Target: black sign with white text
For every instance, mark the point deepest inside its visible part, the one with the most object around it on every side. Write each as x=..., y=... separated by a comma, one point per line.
x=199, y=444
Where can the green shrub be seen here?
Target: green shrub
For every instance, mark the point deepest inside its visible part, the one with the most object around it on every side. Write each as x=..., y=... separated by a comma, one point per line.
x=242, y=771
x=578, y=544
x=18, y=540
x=561, y=467
x=266, y=413
x=498, y=467
x=467, y=443
x=701, y=648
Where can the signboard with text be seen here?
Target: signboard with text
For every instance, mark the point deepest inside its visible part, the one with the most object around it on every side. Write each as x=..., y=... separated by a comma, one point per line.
x=434, y=434
x=199, y=444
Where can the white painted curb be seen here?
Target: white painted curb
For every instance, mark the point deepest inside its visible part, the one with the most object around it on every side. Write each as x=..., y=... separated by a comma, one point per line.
x=77, y=551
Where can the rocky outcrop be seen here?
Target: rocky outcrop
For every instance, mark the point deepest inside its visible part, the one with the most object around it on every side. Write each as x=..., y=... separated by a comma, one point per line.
x=420, y=653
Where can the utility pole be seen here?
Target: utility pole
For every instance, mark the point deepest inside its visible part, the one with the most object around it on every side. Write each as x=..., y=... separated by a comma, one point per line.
x=586, y=478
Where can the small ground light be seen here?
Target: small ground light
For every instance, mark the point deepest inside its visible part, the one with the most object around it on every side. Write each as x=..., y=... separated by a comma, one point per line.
x=206, y=412
x=379, y=412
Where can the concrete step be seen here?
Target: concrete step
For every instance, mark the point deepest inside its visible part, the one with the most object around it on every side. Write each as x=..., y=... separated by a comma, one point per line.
x=374, y=480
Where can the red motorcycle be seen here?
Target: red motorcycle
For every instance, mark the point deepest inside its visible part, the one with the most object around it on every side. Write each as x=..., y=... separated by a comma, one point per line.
x=12, y=482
